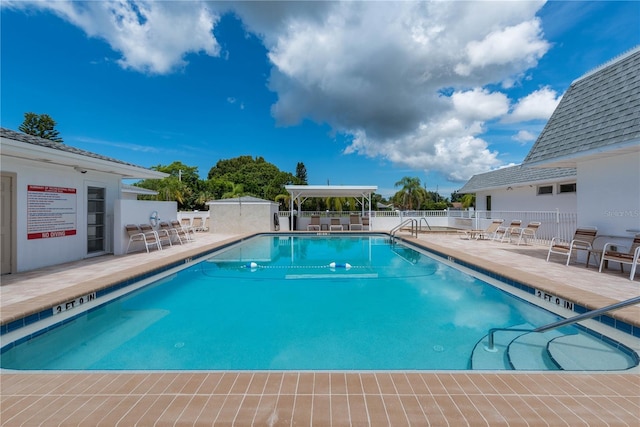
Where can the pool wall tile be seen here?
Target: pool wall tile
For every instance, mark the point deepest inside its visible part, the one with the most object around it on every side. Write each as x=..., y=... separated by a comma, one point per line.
x=577, y=308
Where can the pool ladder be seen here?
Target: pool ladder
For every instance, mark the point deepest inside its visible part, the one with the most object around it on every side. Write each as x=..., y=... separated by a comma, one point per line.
x=416, y=227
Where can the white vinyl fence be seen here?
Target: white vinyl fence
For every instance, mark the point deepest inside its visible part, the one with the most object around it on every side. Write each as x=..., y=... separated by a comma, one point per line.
x=553, y=223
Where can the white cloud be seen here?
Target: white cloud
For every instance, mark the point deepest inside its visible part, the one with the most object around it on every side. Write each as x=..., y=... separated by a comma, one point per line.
x=151, y=36
x=406, y=82
x=378, y=74
x=479, y=104
x=524, y=136
x=538, y=105
x=521, y=45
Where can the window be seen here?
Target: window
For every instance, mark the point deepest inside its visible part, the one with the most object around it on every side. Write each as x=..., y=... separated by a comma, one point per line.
x=567, y=188
x=488, y=199
x=545, y=189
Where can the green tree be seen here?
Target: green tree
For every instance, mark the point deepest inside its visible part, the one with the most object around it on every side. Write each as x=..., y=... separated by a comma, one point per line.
x=187, y=174
x=41, y=125
x=182, y=186
x=217, y=187
x=236, y=191
x=411, y=195
x=257, y=176
x=301, y=174
x=468, y=200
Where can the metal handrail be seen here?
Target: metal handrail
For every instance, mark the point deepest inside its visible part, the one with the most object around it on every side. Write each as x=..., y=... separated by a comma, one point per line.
x=569, y=321
x=414, y=227
x=426, y=222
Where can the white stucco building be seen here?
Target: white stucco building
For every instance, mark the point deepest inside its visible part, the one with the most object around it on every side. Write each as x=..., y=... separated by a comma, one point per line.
x=59, y=202
x=524, y=189
x=586, y=159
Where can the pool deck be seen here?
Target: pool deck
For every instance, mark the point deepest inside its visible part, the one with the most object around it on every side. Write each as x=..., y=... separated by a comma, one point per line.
x=322, y=398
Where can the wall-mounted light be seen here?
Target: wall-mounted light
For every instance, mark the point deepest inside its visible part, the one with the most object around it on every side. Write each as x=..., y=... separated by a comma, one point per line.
x=79, y=169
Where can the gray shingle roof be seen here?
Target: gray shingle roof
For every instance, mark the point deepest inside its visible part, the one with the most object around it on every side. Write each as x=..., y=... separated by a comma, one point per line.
x=515, y=175
x=30, y=139
x=599, y=111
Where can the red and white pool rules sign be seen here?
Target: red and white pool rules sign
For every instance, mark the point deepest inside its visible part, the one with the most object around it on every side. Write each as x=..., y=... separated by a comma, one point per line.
x=51, y=211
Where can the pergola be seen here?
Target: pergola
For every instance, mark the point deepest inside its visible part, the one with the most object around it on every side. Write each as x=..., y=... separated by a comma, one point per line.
x=301, y=193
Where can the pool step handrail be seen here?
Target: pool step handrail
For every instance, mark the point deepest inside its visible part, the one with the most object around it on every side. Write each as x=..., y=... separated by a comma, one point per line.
x=564, y=322
x=414, y=228
x=426, y=222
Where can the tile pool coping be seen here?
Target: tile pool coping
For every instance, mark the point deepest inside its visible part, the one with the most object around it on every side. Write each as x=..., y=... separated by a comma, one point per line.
x=620, y=324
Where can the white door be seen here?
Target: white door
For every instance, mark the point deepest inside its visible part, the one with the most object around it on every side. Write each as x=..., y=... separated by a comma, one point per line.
x=6, y=230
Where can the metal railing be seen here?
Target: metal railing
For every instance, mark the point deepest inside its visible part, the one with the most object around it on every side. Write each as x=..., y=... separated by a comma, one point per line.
x=414, y=228
x=426, y=222
x=564, y=322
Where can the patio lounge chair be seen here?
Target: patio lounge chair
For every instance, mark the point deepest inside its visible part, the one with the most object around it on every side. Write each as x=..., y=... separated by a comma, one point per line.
x=630, y=257
x=198, y=224
x=582, y=241
x=186, y=232
x=335, y=225
x=137, y=235
x=314, y=225
x=354, y=222
x=481, y=234
x=525, y=233
x=161, y=235
x=178, y=234
x=365, y=223
x=503, y=232
x=186, y=224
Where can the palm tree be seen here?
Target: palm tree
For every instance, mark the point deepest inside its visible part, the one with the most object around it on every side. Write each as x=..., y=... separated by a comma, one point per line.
x=468, y=200
x=238, y=191
x=411, y=192
x=339, y=203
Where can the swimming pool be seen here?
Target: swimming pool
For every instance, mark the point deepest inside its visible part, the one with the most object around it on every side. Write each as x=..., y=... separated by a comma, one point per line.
x=291, y=302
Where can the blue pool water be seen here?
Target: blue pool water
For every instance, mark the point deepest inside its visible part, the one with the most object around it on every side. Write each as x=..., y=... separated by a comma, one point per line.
x=277, y=303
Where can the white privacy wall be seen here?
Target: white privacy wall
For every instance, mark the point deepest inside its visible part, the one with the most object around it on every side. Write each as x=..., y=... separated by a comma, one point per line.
x=609, y=194
x=138, y=212
x=230, y=216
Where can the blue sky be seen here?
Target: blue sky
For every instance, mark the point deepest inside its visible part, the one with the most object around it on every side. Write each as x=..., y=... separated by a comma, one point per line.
x=363, y=93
